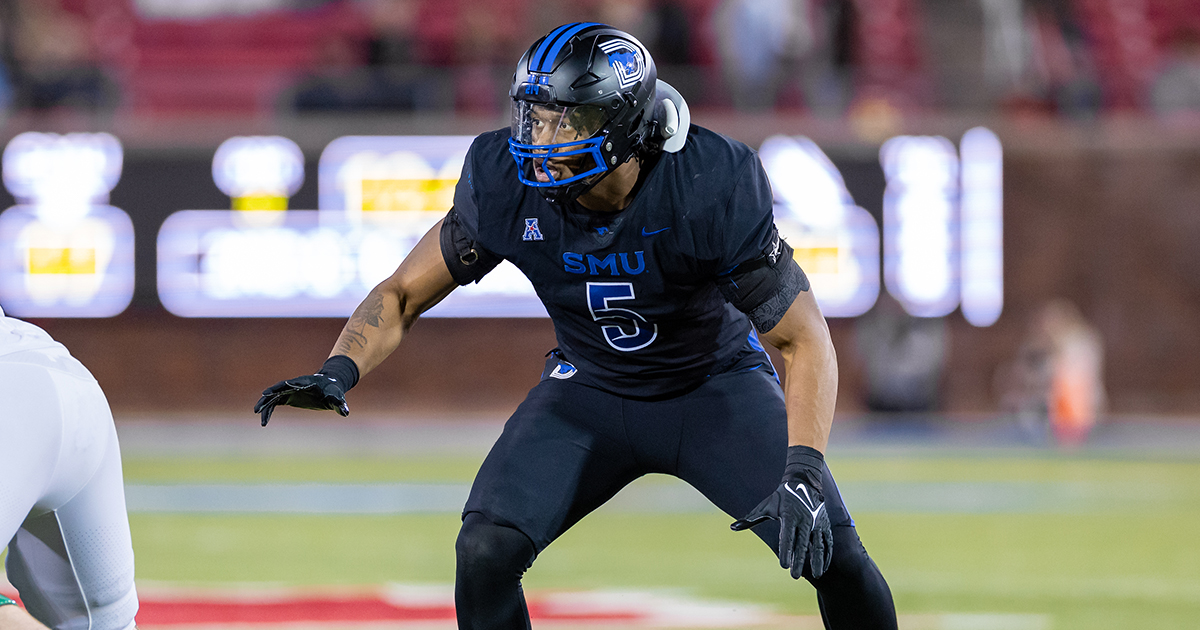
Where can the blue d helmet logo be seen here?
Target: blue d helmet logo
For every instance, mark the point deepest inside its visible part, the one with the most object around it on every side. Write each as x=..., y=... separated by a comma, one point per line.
x=563, y=370
x=626, y=60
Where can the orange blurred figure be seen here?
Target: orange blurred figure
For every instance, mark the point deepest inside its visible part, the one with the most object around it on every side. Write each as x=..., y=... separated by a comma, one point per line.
x=1056, y=382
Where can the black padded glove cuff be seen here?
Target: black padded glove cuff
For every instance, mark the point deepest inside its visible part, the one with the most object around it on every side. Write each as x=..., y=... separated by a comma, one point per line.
x=342, y=368
x=806, y=464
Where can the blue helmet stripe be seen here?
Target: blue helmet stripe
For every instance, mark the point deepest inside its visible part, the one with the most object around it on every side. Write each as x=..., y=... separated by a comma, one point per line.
x=547, y=63
x=536, y=59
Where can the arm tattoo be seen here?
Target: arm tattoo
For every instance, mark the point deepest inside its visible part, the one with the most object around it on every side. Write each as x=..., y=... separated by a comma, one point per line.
x=369, y=313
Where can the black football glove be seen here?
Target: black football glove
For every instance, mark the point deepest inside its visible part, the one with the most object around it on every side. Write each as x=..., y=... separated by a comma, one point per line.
x=324, y=390
x=804, y=529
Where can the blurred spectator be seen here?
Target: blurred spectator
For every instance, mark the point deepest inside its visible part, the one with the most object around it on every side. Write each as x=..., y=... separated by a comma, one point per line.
x=392, y=40
x=761, y=45
x=669, y=34
x=1036, y=59
x=786, y=53
x=54, y=63
x=1063, y=62
x=903, y=356
x=376, y=70
x=633, y=17
x=7, y=32
x=1175, y=93
x=1005, y=49
x=486, y=51
x=838, y=19
x=1055, y=384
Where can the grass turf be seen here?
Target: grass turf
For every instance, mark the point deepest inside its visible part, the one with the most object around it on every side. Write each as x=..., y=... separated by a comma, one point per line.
x=1129, y=560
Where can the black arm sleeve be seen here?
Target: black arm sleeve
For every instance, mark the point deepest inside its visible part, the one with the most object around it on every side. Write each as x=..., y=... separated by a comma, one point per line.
x=467, y=260
x=764, y=288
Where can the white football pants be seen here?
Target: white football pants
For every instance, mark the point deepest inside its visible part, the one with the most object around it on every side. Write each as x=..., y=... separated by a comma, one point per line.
x=62, y=500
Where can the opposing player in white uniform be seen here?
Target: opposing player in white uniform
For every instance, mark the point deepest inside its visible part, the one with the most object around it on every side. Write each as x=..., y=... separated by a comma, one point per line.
x=62, y=499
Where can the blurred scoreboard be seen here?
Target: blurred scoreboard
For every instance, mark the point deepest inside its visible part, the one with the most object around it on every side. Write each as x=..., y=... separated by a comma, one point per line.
x=378, y=197
x=65, y=253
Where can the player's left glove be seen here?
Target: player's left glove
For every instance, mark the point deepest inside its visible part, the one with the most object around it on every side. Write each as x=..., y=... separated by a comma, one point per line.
x=798, y=505
x=324, y=390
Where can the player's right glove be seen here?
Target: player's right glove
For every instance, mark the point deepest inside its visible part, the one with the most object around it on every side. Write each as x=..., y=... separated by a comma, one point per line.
x=324, y=390
x=804, y=529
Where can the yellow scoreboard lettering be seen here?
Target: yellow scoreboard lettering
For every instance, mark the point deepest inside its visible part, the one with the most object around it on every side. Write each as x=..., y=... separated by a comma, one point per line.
x=62, y=260
x=400, y=195
x=260, y=202
x=817, y=259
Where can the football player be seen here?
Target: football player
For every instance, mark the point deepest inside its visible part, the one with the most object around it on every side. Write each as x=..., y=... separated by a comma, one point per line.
x=652, y=244
x=62, y=499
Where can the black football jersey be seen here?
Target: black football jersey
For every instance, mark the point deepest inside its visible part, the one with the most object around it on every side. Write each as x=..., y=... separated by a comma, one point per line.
x=632, y=294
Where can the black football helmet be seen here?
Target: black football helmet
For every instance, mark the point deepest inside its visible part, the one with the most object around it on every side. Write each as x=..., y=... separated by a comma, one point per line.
x=583, y=100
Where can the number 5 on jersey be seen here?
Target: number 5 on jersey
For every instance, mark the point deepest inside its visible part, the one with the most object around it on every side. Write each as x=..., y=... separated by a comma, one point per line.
x=628, y=330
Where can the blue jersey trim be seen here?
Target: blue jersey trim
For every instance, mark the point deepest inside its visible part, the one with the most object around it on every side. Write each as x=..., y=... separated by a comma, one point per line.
x=754, y=342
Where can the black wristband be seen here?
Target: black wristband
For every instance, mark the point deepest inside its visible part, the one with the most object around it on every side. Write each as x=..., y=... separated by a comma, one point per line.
x=342, y=368
x=807, y=464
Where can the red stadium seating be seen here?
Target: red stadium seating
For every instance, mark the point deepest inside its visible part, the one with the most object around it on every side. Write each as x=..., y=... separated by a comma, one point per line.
x=239, y=65
x=1130, y=39
x=228, y=65
x=1123, y=44
x=888, y=52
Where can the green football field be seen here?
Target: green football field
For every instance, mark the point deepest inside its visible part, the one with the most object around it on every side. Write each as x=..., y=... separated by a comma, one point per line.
x=1066, y=541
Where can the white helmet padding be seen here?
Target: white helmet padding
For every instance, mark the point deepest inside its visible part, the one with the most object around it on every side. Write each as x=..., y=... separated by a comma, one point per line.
x=671, y=113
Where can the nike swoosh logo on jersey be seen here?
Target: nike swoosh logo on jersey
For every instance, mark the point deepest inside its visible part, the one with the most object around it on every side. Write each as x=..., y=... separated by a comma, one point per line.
x=645, y=233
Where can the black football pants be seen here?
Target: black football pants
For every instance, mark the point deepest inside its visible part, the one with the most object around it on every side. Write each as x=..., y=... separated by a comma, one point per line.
x=569, y=448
